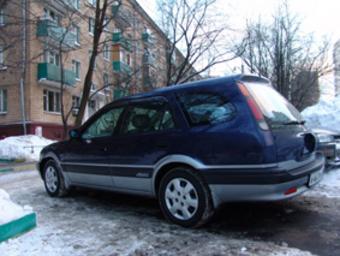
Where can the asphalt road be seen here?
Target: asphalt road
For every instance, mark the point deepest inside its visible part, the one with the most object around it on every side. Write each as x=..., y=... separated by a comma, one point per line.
x=88, y=222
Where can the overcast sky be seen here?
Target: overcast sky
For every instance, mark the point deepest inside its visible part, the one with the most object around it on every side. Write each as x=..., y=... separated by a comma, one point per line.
x=321, y=17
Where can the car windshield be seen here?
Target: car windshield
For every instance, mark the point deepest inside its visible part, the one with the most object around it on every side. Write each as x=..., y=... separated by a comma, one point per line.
x=275, y=108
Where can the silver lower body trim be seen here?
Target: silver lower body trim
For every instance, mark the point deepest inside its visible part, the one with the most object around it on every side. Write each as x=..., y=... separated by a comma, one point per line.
x=256, y=193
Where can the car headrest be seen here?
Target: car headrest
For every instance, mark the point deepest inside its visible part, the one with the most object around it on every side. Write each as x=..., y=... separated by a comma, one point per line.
x=141, y=122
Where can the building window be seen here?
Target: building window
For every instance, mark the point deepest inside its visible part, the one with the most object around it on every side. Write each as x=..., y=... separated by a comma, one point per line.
x=93, y=87
x=2, y=57
x=75, y=4
x=3, y=101
x=106, y=80
x=106, y=23
x=2, y=17
x=91, y=26
x=50, y=15
x=128, y=59
x=75, y=102
x=106, y=52
x=76, y=31
x=52, y=101
x=91, y=107
x=52, y=58
x=92, y=2
x=76, y=68
x=125, y=57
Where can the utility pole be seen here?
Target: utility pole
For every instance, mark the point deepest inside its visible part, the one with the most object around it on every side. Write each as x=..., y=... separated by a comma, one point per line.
x=23, y=66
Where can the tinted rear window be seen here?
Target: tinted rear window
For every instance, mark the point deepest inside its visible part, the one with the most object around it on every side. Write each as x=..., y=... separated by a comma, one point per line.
x=206, y=108
x=275, y=108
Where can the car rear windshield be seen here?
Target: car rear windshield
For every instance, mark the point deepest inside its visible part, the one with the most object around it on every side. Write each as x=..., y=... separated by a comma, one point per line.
x=275, y=108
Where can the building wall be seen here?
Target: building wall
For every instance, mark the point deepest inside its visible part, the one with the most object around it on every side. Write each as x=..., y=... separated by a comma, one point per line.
x=10, y=40
x=131, y=21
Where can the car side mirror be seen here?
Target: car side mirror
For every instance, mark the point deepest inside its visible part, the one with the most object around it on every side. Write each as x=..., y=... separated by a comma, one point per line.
x=74, y=134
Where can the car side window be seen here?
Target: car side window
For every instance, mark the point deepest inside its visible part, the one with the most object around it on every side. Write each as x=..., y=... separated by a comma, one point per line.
x=148, y=117
x=104, y=125
x=206, y=108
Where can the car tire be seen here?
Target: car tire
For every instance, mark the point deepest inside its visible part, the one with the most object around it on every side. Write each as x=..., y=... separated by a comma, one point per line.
x=53, y=180
x=184, y=198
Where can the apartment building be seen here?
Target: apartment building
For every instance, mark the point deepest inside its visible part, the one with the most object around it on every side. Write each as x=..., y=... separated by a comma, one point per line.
x=45, y=45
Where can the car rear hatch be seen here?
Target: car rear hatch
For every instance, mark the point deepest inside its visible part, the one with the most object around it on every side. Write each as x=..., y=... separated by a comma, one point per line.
x=292, y=140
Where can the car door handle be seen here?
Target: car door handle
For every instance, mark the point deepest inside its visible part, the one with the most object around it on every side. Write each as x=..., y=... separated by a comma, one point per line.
x=88, y=141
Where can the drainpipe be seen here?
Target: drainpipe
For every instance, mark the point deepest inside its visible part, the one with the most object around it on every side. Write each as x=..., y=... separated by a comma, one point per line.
x=23, y=70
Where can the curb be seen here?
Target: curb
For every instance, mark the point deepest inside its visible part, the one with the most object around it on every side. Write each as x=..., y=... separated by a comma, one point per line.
x=4, y=170
x=17, y=227
x=4, y=160
x=18, y=167
x=24, y=167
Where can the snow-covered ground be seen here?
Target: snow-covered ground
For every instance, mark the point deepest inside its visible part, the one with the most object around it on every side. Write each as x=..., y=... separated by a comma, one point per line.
x=9, y=210
x=112, y=224
x=329, y=186
x=23, y=147
x=324, y=114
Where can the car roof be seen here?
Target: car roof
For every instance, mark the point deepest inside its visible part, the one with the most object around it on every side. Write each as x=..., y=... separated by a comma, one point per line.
x=195, y=84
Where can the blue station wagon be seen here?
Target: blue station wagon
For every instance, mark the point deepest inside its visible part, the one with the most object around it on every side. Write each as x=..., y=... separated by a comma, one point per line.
x=192, y=146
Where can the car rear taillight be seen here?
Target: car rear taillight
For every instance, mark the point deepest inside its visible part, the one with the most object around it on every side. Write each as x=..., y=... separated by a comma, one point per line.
x=290, y=191
x=255, y=109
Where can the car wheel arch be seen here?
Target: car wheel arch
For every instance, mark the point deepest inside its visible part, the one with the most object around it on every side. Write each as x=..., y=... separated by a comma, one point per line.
x=163, y=170
x=169, y=162
x=45, y=159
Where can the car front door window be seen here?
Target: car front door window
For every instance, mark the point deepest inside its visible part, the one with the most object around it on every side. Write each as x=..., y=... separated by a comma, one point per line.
x=104, y=125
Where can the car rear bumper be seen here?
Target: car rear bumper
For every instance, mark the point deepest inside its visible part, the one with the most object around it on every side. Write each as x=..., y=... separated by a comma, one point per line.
x=269, y=184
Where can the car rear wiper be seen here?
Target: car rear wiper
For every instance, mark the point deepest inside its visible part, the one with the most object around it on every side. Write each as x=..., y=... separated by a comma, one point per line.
x=295, y=122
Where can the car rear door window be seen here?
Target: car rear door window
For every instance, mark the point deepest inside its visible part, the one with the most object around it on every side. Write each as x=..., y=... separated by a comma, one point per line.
x=206, y=108
x=104, y=125
x=153, y=116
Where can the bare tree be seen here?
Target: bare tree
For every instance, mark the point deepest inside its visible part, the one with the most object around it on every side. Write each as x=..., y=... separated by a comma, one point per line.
x=65, y=45
x=195, y=38
x=292, y=60
x=100, y=22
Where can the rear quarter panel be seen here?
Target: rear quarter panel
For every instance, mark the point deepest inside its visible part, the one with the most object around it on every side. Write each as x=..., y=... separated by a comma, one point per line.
x=238, y=141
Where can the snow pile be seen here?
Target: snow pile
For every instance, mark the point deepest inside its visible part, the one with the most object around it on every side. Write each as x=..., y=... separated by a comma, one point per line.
x=10, y=211
x=324, y=114
x=23, y=147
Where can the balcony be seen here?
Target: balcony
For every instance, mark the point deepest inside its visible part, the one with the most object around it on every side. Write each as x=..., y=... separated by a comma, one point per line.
x=51, y=33
x=118, y=38
x=115, y=9
x=50, y=74
x=121, y=16
x=121, y=67
x=62, y=6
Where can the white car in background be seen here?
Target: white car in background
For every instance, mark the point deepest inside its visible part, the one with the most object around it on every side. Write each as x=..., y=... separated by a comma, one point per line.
x=329, y=145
